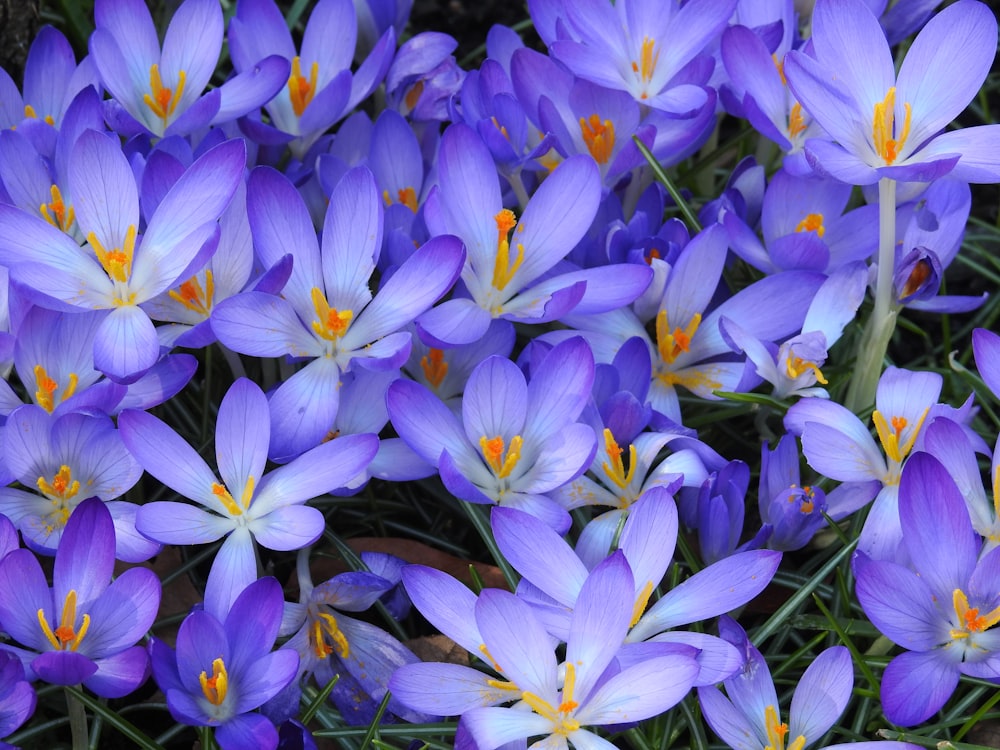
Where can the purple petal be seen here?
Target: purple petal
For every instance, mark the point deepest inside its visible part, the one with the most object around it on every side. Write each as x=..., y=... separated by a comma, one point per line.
x=262, y=325
x=288, y=528
x=516, y=642
x=125, y=345
x=916, y=684
x=445, y=602
x=23, y=592
x=105, y=195
x=252, y=622
x=180, y=523
x=304, y=408
x=63, y=667
x=120, y=674
x=641, y=691
x=445, y=689
x=352, y=238
x=247, y=730
x=900, y=604
x=242, y=432
x=822, y=693
x=234, y=568
x=86, y=556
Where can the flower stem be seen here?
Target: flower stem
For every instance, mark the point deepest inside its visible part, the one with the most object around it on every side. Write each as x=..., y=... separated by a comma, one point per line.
x=875, y=338
x=77, y=721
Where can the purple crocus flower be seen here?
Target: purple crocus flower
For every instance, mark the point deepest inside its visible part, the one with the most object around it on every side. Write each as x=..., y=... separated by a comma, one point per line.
x=791, y=510
x=749, y=718
x=837, y=445
x=162, y=92
x=508, y=272
x=320, y=89
x=83, y=628
x=223, y=668
x=119, y=271
x=517, y=441
x=332, y=644
x=327, y=311
x=942, y=607
x=590, y=689
x=248, y=506
x=889, y=126
x=69, y=458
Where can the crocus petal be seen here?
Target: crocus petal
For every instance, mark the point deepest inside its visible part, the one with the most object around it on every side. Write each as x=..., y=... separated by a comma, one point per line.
x=105, y=196
x=352, y=237
x=722, y=586
x=494, y=727
x=726, y=720
x=262, y=325
x=23, y=592
x=242, y=432
x=123, y=613
x=180, y=523
x=822, y=694
x=234, y=568
x=63, y=667
x=86, y=555
x=252, y=622
x=303, y=408
x=916, y=684
x=121, y=673
x=900, y=604
x=445, y=602
x=125, y=345
x=539, y=554
x=445, y=689
x=516, y=641
x=641, y=691
x=288, y=528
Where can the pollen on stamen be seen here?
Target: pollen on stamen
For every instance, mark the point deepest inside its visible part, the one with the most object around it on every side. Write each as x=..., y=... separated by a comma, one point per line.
x=301, y=90
x=599, y=135
x=162, y=101
x=215, y=687
x=504, y=268
x=55, y=212
x=887, y=142
x=434, y=366
x=812, y=223
x=194, y=296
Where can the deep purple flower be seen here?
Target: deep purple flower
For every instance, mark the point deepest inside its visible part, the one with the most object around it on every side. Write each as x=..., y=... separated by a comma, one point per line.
x=943, y=607
x=84, y=628
x=17, y=697
x=223, y=669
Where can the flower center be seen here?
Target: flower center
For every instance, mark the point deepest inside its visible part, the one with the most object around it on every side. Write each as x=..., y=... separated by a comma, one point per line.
x=223, y=495
x=301, y=90
x=887, y=144
x=434, y=366
x=327, y=637
x=563, y=722
x=62, y=487
x=216, y=686
x=614, y=467
x=45, y=394
x=599, y=137
x=406, y=196
x=812, y=223
x=796, y=122
x=55, y=212
x=646, y=64
x=66, y=635
x=493, y=452
x=117, y=262
x=504, y=268
x=194, y=296
x=890, y=437
x=776, y=732
x=330, y=323
x=163, y=101
x=795, y=366
x=29, y=112
x=671, y=344
x=970, y=621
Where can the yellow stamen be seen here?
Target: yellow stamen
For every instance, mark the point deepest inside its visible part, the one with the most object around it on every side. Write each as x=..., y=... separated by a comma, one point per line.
x=640, y=603
x=504, y=269
x=887, y=145
x=29, y=112
x=301, y=90
x=776, y=732
x=434, y=366
x=646, y=65
x=890, y=440
x=780, y=65
x=325, y=625
x=493, y=452
x=117, y=262
x=406, y=196
x=970, y=621
x=62, y=486
x=795, y=366
x=66, y=634
x=56, y=213
x=331, y=323
x=599, y=137
x=812, y=223
x=501, y=128
x=616, y=469
x=226, y=499
x=796, y=122
x=46, y=391
x=672, y=344
x=193, y=296
x=163, y=101
x=489, y=657
x=216, y=686
x=563, y=724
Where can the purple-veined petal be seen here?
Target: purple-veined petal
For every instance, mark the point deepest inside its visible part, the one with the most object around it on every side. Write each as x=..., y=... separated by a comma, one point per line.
x=446, y=603
x=242, y=433
x=105, y=196
x=352, y=237
x=23, y=592
x=180, y=523
x=252, y=622
x=248, y=730
x=123, y=613
x=822, y=693
x=539, y=554
x=63, y=667
x=516, y=642
x=303, y=408
x=721, y=587
x=900, y=604
x=290, y=527
x=234, y=568
x=424, y=422
x=641, y=691
x=263, y=325
x=726, y=720
x=495, y=402
x=916, y=684
x=120, y=673
x=494, y=727
x=86, y=555
x=445, y=689
x=125, y=345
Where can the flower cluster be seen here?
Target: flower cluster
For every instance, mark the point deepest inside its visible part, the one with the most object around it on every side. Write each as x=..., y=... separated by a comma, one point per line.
x=378, y=284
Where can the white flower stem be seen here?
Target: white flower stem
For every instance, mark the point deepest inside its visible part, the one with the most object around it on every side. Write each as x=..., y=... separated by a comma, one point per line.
x=875, y=338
